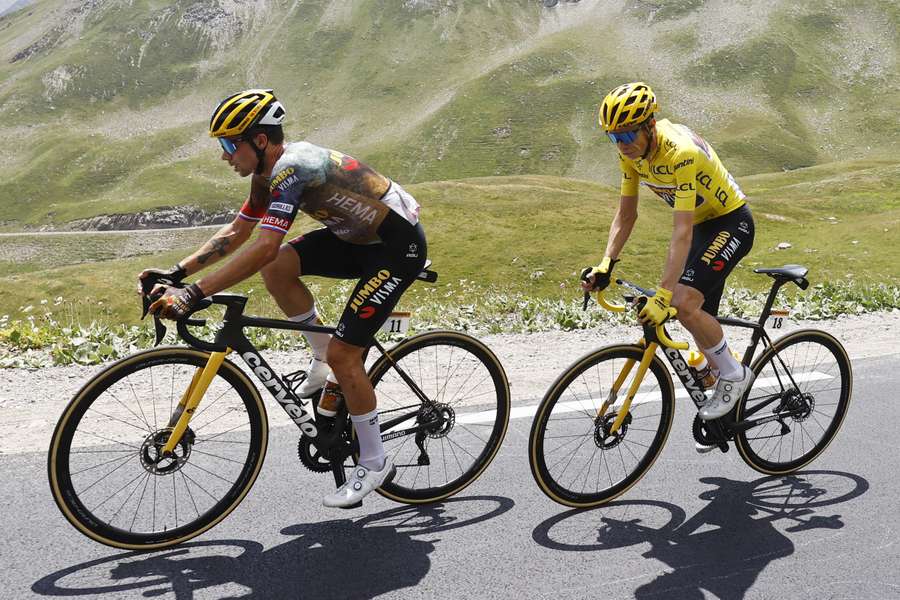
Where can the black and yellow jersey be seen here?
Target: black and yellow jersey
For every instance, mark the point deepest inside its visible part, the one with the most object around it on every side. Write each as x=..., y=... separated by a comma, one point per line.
x=347, y=196
x=685, y=172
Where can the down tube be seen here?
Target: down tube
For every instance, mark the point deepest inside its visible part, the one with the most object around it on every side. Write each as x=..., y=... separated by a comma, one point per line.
x=282, y=394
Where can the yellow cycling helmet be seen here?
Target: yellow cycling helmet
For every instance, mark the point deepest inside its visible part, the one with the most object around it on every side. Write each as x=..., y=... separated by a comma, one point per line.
x=239, y=112
x=627, y=105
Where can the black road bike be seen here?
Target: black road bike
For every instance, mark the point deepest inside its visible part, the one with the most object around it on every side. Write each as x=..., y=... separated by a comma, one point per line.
x=162, y=445
x=593, y=437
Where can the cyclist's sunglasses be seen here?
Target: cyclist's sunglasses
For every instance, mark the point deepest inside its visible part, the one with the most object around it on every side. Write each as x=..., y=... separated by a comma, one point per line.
x=624, y=137
x=229, y=145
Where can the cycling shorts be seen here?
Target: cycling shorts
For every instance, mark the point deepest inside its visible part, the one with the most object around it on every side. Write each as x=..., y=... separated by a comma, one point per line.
x=384, y=269
x=716, y=247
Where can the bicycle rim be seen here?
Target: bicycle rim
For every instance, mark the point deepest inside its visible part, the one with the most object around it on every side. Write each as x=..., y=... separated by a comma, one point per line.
x=469, y=400
x=104, y=466
x=575, y=458
x=818, y=365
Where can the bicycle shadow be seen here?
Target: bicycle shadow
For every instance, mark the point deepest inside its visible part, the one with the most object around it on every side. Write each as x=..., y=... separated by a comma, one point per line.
x=342, y=558
x=724, y=547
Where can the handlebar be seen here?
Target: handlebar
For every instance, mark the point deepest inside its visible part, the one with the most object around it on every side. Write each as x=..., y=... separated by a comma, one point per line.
x=148, y=283
x=638, y=303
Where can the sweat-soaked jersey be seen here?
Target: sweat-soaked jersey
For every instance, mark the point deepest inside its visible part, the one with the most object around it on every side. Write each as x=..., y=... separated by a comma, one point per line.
x=685, y=172
x=345, y=195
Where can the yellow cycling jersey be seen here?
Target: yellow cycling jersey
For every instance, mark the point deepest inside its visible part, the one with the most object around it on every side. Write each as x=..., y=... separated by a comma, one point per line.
x=685, y=172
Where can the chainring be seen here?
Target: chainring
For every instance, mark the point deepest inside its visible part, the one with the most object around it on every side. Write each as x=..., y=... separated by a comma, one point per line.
x=311, y=458
x=702, y=434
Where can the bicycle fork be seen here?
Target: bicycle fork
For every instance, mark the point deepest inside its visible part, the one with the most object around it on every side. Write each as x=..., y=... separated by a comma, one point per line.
x=649, y=352
x=191, y=399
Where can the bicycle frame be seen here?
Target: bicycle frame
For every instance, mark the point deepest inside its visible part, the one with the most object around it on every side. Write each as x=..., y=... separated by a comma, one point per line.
x=655, y=337
x=231, y=338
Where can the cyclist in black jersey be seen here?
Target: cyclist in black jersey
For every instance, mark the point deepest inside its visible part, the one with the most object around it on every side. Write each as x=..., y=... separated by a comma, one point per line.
x=372, y=233
x=712, y=228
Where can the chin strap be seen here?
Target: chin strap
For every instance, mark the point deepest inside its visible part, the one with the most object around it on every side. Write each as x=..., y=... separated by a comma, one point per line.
x=650, y=134
x=260, y=156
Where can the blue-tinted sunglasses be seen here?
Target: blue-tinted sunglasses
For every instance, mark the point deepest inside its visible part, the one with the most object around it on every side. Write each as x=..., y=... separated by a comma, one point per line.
x=625, y=137
x=229, y=146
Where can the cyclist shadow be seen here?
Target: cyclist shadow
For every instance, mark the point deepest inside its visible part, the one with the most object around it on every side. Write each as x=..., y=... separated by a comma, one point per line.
x=726, y=545
x=342, y=558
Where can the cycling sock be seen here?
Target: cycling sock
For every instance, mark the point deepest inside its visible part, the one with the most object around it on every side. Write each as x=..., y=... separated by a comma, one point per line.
x=318, y=342
x=371, y=449
x=720, y=357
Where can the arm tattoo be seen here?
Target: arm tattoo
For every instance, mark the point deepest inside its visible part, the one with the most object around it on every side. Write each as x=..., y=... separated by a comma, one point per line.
x=219, y=246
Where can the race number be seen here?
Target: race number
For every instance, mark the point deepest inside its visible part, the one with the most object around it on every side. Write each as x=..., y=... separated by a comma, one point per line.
x=398, y=322
x=777, y=318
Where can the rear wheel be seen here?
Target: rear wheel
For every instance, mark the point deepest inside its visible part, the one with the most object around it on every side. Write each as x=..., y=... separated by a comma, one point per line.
x=467, y=409
x=800, y=396
x=106, y=470
x=575, y=457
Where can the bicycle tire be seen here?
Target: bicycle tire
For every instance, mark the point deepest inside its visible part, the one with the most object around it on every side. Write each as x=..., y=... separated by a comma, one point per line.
x=469, y=365
x=770, y=381
x=94, y=423
x=562, y=396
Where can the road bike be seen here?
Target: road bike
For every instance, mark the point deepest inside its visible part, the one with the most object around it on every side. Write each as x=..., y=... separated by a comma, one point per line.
x=162, y=445
x=590, y=442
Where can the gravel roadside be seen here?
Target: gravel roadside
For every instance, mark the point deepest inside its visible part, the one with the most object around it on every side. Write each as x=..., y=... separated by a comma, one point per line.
x=31, y=400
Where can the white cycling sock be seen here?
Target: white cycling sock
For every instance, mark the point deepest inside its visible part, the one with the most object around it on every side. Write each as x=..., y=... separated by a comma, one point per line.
x=720, y=357
x=371, y=449
x=318, y=342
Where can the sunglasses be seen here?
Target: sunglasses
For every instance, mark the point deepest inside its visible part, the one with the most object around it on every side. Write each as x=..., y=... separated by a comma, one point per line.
x=229, y=146
x=624, y=137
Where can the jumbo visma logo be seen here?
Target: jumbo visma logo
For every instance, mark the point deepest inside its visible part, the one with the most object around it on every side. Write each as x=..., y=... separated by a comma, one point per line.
x=376, y=290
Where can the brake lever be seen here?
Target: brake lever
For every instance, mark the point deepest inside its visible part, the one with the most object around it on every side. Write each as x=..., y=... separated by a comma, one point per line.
x=147, y=298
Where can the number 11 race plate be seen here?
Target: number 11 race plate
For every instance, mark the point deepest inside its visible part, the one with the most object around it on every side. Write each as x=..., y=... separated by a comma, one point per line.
x=398, y=322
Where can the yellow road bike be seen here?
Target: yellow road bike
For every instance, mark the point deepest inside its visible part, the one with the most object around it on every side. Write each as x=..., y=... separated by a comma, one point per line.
x=606, y=418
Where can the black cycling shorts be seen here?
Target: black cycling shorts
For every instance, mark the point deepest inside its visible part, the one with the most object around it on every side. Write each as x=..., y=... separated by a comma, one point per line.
x=384, y=271
x=716, y=247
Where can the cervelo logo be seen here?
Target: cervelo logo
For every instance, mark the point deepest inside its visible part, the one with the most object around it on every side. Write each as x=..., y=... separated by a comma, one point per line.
x=684, y=374
x=302, y=418
x=376, y=289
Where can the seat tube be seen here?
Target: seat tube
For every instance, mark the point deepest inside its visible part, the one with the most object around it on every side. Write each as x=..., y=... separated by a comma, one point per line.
x=197, y=391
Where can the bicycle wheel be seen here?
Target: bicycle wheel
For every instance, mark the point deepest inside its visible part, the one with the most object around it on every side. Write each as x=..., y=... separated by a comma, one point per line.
x=806, y=377
x=574, y=458
x=104, y=466
x=467, y=389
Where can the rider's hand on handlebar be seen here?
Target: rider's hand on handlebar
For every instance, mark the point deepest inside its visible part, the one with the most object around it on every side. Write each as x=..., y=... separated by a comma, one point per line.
x=596, y=279
x=657, y=309
x=175, y=303
x=172, y=276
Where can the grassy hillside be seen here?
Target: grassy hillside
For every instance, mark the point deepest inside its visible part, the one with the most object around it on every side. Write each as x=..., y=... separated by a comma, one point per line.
x=104, y=103
x=523, y=235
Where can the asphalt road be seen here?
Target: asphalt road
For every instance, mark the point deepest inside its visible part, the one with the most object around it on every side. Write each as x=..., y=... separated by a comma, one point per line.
x=697, y=526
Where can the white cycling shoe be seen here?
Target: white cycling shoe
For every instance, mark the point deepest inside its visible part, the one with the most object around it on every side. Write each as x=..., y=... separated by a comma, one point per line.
x=360, y=483
x=727, y=394
x=316, y=373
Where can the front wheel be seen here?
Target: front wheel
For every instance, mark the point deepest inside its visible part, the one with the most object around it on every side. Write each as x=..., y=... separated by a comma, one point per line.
x=799, y=398
x=107, y=473
x=576, y=458
x=443, y=414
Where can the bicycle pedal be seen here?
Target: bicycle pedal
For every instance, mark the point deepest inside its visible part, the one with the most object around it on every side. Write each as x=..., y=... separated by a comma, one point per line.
x=723, y=446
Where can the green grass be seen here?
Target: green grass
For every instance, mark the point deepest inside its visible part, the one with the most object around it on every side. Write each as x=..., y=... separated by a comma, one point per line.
x=422, y=91
x=524, y=235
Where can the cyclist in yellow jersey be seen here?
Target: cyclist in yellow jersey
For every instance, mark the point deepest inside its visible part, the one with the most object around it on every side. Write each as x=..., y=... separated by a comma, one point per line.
x=712, y=227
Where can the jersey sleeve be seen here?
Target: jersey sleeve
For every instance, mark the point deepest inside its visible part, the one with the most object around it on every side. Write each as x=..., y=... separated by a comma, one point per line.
x=286, y=189
x=685, y=171
x=630, y=178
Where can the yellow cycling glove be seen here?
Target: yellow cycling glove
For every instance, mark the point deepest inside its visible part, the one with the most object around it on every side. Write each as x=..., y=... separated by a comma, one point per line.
x=657, y=308
x=601, y=273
